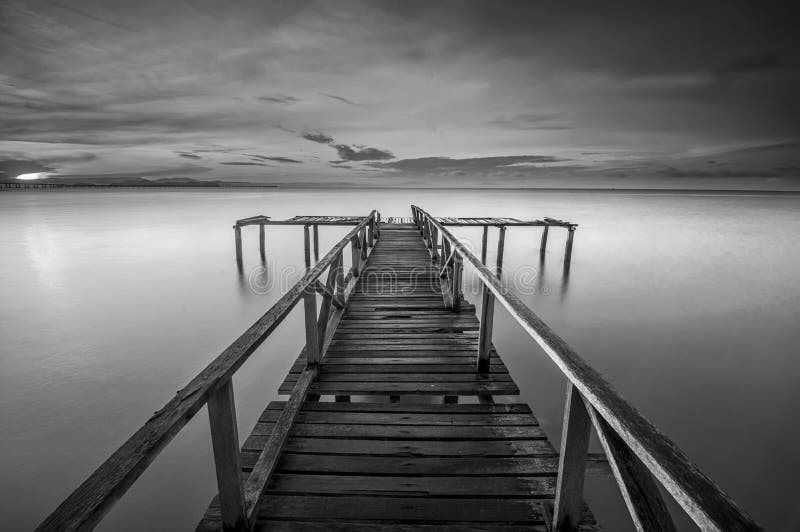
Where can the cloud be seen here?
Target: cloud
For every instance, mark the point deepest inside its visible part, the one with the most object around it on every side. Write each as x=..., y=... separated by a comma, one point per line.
x=341, y=99
x=279, y=98
x=361, y=153
x=317, y=136
x=767, y=61
x=542, y=121
x=15, y=167
x=474, y=163
x=274, y=158
x=244, y=164
x=188, y=155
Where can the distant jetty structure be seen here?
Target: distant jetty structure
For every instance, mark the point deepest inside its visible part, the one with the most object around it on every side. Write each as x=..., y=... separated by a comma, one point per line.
x=390, y=421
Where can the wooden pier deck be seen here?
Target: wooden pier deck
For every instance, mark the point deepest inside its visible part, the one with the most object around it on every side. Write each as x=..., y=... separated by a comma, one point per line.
x=404, y=464
x=413, y=438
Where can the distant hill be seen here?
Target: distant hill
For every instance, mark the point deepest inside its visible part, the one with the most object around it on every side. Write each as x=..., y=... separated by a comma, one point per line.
x=133, y=181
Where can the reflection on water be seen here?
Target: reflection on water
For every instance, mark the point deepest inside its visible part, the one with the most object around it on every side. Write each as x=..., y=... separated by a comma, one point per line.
x=113, y=300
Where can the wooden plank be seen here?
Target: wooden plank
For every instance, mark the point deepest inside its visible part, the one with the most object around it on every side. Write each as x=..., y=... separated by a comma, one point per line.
x=412, y=448
x=389, y=418
x=409, y=432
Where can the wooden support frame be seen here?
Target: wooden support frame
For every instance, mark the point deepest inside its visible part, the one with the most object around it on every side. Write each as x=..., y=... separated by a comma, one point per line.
x=631, y=435
x=316, y=243
x=307, y=246
x=262, y=241
x=225, y=442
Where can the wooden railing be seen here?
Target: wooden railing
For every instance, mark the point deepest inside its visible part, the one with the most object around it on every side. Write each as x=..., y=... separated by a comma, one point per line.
x=87, y=505
x=640, y=456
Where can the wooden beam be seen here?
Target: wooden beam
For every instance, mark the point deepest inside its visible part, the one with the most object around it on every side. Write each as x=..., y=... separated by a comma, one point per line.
x=484, y=241
x=568, y=249
x=636, y=484
x=268, y=459
x=485, y=332
x=572, y=462
x=225, y=442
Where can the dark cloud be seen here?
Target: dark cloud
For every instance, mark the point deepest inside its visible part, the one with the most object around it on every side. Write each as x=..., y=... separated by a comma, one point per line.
x=768, y=61
x=283, y=160
x=238, y=163
x=361, y=153
x=279, y=98
x=474, y=163
x=341, y=99
x=15, y=167
x=188, y=155
x=317, y=136
x=543, y=121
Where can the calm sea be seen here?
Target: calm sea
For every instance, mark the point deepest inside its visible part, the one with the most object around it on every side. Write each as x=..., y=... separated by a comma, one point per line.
x=111, y=301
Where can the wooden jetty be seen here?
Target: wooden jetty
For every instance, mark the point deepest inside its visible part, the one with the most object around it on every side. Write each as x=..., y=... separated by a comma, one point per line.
x=390, y=421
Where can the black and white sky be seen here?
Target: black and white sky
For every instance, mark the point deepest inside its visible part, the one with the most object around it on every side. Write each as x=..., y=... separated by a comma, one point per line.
x=404, y=92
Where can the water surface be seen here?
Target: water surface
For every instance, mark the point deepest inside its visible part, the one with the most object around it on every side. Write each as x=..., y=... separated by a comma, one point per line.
x=112, y=300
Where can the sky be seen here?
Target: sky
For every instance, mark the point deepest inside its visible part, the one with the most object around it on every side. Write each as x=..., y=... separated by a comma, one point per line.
x=404, y=92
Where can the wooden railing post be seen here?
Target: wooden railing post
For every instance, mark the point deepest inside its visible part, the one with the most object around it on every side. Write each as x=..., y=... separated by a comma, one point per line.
x=371, y=232
x=237, y=235
x=355, y=256
x=316, y=243
x=572, y=462
x=362, y=236
x=307, y=246
x=458, y=271
x=312, y=338
x=262, y=241
x=225, y=442
x=434, y=243
x=485, y=333
x=543, y=245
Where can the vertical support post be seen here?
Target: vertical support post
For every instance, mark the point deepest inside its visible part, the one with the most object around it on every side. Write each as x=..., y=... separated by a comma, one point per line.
x=458, y=272
x=355, y=256
x=568, y=250
x=307, y=246
x=316, y=243
x=543, y=245
x=501, y=243
x=262, y=241
x=434, y=243
x=371, y=232
x=225, y=442
x=483, y=243
x=485, y=334
x=237, y=235
x=364, y=244
x=572, y=462
x=312, y=339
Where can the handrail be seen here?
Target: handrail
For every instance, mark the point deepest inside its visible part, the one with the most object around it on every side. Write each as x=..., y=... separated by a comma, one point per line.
x=87, y=505
x=701, y=499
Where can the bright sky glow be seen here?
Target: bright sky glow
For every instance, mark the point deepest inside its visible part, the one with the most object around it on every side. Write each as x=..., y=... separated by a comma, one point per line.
x=31, y=177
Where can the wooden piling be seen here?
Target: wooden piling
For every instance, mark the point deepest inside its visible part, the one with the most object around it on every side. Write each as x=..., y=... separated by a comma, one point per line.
x=484, y=241
x=568, y=250
x=543, y=245
x=501, y=243
x=307, y=246
x=262, y=240
x=237, y=233
x=316, y=243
